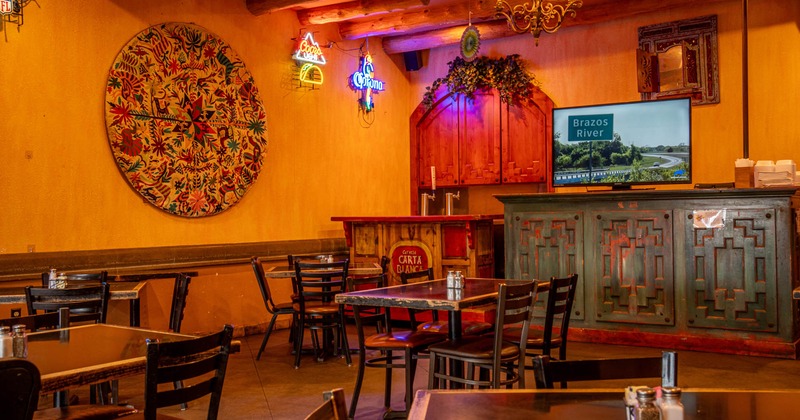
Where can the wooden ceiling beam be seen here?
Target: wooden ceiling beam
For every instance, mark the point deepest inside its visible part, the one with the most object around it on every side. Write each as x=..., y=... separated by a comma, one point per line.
x=355, y=9
x=440, y=31
x=444, y=36
x=261, y=7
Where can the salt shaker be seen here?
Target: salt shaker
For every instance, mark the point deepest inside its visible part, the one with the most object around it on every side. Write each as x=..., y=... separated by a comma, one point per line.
x=19, y=341
x=647, y=409
x=6, y=343
x=451, y=279
x=52, y=280
x=671, y=406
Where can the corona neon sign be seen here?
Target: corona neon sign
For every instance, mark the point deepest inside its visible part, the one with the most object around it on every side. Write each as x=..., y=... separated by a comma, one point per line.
x=309, y=53
x=364, y=80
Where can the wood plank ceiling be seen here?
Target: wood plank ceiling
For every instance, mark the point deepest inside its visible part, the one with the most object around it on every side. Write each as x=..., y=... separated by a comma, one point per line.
x=412, y=25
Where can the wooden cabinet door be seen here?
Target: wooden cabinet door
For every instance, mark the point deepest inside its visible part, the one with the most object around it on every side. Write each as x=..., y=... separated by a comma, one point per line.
x=479, y=145
x=524, y=143
x=437, y=139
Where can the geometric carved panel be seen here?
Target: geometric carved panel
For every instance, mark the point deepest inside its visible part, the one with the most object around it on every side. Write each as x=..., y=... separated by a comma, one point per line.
x=731, y=280
x=550, y=244
x=634, y=266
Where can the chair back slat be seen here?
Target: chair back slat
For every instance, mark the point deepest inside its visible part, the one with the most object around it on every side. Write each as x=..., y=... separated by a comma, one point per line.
x=547, y=371
x=38, y=322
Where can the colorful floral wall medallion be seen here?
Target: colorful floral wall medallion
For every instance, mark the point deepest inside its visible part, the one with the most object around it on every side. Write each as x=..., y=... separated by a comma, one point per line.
x=185, y=121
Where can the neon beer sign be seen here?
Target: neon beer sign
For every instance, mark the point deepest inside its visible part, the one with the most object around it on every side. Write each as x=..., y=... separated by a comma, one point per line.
x=364, y=80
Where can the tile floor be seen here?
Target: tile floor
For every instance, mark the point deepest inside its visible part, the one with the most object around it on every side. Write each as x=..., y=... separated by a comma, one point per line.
x=271, y=388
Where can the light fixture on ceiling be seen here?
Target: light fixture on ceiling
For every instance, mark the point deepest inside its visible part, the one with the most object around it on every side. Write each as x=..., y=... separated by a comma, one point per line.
x=536, y=16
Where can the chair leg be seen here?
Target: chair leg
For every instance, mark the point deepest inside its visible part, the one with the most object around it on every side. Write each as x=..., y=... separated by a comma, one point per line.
x=362, y=358
x=266, y=336
x=179, y=385
x=299, y=341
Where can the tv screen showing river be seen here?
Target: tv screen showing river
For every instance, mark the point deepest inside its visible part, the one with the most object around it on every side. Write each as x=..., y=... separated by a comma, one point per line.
x=623, y=144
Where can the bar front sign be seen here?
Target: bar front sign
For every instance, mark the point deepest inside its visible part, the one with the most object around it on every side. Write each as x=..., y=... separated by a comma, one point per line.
x=409, y=258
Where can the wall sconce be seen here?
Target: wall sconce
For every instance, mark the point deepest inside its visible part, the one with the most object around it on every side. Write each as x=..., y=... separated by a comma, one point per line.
x=535, y=17
x=11, y=11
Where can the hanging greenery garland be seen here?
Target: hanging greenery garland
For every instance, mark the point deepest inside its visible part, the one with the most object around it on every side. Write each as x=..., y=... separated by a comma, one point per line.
x=507, y=75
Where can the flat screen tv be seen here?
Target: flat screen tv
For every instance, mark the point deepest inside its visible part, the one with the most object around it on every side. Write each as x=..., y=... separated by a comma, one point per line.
x=624, y=144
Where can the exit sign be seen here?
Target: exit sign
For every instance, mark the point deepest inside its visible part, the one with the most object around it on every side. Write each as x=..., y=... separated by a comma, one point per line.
x=590, y=127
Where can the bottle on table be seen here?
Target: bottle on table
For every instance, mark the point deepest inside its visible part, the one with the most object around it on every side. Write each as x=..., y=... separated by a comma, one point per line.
x=671, y=406
x=6, y=343
x=646, y=408
x=19, y=340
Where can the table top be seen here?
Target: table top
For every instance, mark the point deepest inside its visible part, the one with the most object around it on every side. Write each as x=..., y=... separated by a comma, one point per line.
x=596, y=404
x=432, y=294
x=355, y=269
x=88, y=354
x=117, y=291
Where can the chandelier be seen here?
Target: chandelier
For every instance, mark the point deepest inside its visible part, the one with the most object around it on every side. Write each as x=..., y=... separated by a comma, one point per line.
x=535, y=17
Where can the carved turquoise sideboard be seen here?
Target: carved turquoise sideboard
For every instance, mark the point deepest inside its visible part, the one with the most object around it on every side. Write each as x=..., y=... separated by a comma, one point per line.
x=708, y=270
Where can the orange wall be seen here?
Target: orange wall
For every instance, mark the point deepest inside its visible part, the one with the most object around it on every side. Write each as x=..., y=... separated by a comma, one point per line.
x=596, y=64
x=323, y=159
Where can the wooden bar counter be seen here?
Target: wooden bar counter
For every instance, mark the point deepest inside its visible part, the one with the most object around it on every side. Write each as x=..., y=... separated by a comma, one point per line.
x=706, y=270
x=413, y=243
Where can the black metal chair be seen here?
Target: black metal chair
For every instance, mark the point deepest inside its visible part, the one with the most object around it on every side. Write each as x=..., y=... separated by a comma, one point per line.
x=553, y=333
x=334, y=407
x=20, y=383
x=200, y=362
x=86, y=304
x=547, y=371
x=382, y=345
x=317, y=284
x=490, y=354
x=274, y=308
x=436, y=325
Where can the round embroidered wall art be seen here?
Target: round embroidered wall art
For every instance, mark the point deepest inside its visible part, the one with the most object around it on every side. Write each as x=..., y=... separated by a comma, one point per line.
x=185, y=121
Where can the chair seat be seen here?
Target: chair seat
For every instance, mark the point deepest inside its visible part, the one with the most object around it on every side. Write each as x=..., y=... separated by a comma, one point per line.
x=402, y=340
x=467, y=327
x=319, y=308
x=474, y=348
x=85, y=411
x=535, y=337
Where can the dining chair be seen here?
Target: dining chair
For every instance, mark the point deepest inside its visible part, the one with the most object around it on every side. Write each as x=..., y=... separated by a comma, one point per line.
x=273, y=307
x=435, y=324
x=554, y=330
x=199, y=362
x=547, y=371
x=20, y=383
x=490, y=354
x=334, y=407
x=385, y=346
x=180, y=291
x=317, y=284
x=86, y=304
x=78, y=278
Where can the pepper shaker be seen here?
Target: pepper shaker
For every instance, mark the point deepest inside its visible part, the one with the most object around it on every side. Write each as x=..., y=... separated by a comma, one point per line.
x=647, y=409
x=19, y=341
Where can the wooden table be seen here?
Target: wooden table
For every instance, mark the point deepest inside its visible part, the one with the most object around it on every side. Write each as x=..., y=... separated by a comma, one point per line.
x=430, y=295
x=595, y=404
x=88, y=354
x=123, y=290
x=357, y=269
